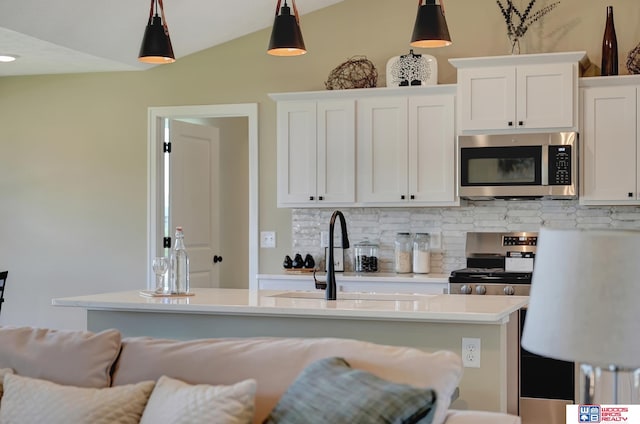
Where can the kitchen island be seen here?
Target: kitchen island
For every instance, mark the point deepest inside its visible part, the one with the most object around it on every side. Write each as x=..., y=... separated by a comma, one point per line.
x=428, y=322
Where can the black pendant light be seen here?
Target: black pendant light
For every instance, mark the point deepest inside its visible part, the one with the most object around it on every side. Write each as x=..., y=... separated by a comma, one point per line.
x=430, y=29
x=156, y=44
x=286, y=37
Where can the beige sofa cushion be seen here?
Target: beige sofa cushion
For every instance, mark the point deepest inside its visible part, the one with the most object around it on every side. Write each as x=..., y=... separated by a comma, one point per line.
x=275, y=363
x=77, y=358
x=175, y=402
x=3, y=372
x=30, y=400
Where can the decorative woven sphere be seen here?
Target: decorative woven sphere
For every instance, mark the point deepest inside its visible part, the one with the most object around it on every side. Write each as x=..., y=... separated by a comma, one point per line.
x=633, y=60
x=357, y=72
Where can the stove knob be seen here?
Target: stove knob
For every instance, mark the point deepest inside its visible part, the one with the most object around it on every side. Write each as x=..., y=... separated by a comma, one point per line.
x=509, y=290
x=481, y=290
x=465, y=289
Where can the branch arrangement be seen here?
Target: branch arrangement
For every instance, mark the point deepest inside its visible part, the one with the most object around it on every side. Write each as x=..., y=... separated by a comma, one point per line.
x=519, y=22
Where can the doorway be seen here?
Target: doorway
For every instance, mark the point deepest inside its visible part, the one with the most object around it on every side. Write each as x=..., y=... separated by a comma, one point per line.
x=222, y=117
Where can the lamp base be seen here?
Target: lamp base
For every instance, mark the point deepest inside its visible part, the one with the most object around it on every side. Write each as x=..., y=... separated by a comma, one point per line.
x=610, y=385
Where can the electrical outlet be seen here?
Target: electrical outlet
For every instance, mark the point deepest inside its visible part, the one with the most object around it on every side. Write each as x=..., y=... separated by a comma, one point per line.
x=435, y=241
x=324, y=238
x=471, y=352
x=268, y=239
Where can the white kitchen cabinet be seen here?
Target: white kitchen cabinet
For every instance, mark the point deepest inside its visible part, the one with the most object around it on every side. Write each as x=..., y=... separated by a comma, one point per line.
x=382, y=150
x=397, y=150
x=518, y=93
x=406, y=150
x=316, y=153
x=609, y=139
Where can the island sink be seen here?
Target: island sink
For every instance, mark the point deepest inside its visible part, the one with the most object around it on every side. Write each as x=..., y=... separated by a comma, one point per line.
x=386, y=297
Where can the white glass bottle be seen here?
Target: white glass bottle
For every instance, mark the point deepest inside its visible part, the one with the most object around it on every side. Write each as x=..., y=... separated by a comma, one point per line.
x=179, y=265
x=421, y=254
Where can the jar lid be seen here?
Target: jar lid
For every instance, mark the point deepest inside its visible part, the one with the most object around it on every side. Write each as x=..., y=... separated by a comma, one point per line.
x=366, y=243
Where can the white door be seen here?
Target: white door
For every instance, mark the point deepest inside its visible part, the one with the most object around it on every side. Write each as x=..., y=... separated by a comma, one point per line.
x=193, y=197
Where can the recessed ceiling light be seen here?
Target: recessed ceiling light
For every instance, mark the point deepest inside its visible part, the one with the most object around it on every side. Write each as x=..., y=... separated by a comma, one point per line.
x=7, y=58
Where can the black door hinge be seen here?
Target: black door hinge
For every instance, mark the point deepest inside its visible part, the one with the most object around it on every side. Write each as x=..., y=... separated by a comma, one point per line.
x=166, y=242
x=167, y=148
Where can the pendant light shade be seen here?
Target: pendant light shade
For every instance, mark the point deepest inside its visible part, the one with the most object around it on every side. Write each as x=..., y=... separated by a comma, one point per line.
x=431, y=28
x=286, y=37
x=156, y=45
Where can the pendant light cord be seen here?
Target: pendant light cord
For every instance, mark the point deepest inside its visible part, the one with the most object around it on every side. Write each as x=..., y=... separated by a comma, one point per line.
x=295, y=9
x=441, y=5
x=164, y=19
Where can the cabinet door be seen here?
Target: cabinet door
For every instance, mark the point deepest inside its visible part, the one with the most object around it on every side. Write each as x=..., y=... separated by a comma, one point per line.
x=487, y=97
x=545, y=96
x=431, y=149
x=336, y=147
x=382, y=150
x=609, y=145
x=296, y=152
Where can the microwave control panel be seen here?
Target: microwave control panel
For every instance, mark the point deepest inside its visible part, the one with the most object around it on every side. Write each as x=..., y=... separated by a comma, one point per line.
x=560, y=165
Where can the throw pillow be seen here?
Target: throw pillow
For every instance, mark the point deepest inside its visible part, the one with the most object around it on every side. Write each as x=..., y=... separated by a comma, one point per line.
x=68, y=357
x=175, y=402
x=330, y=391
x=28, y=400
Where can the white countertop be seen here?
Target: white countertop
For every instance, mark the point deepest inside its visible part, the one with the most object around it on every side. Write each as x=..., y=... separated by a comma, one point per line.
x=404, y=307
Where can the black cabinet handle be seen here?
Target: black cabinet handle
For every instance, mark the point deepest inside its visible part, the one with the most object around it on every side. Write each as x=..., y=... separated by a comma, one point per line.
x=217, y=259
x=320, y=198
x=310, y=197
x=413, y=197
x=521, y=123
x=630, y=194
x=402, y=197
x=510, y=123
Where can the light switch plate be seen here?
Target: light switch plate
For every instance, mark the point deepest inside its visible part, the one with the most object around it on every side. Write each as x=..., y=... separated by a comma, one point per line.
x=268, y=239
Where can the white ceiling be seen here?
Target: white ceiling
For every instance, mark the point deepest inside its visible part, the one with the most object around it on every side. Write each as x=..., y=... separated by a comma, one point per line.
x=69, y=36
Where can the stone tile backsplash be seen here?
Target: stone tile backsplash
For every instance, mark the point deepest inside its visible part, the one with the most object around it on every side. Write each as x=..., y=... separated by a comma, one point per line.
x=381, y=225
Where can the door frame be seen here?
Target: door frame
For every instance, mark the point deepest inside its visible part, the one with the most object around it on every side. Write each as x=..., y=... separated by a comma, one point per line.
x=154, y=157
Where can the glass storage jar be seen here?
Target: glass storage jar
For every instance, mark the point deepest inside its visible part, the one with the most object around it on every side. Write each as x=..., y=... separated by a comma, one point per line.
x=404, y=246
x=421, y=253
x=366, y=256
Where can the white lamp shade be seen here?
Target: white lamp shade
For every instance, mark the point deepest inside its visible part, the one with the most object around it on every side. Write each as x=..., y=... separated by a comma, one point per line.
x=585, y=297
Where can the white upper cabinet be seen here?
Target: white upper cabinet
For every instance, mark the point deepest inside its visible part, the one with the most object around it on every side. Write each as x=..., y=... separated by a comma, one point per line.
x=432, y=149
x=518, y=93
x=316, y=153
x=609, y=139
x=406, y=151
x=382, y=150
x=367, y=147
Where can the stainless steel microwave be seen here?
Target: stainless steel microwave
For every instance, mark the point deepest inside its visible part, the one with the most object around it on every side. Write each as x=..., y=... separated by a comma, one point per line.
x=512, y=166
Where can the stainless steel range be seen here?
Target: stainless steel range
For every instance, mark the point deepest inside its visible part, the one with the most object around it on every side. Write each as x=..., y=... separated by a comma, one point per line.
x=497, y=264
x=502, y=264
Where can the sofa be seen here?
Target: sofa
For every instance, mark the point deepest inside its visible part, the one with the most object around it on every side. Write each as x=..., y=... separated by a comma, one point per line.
x=64, y=376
